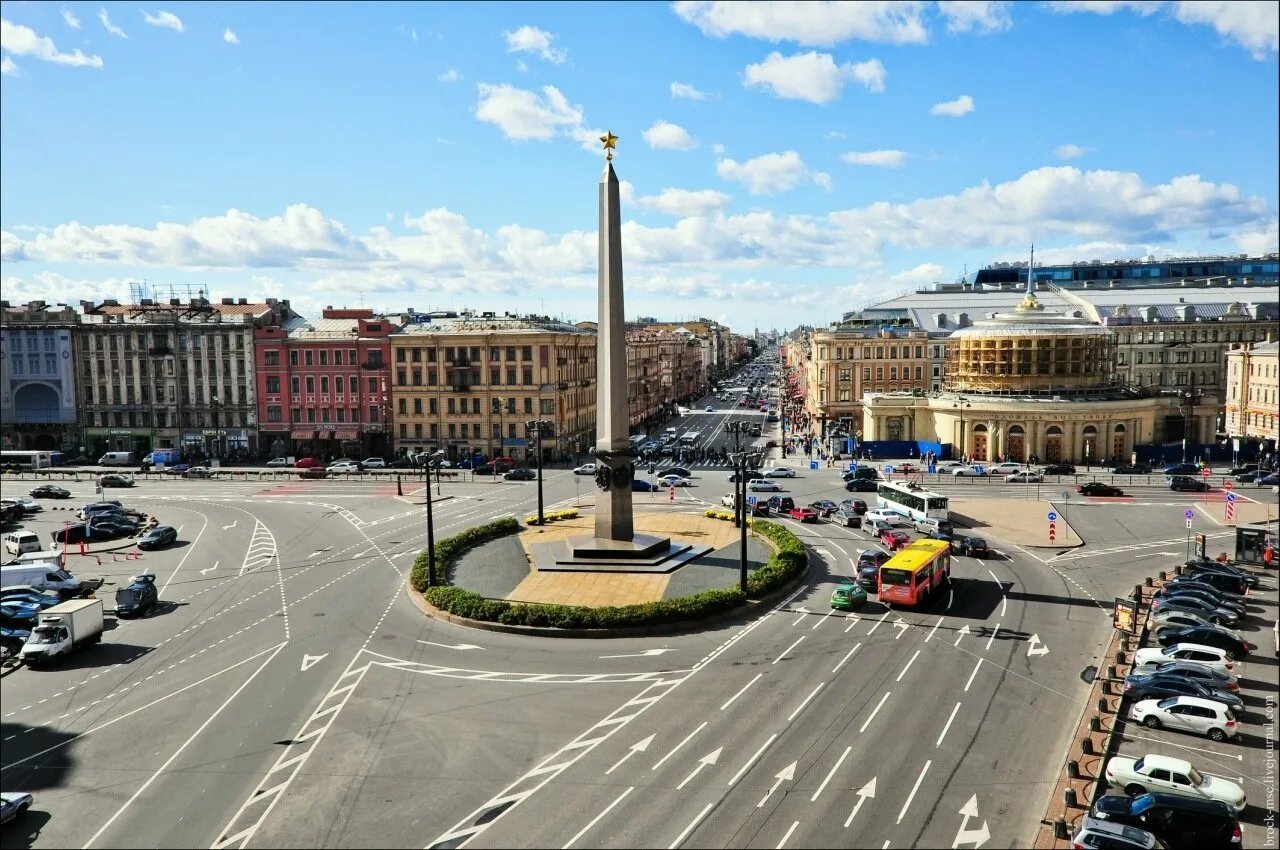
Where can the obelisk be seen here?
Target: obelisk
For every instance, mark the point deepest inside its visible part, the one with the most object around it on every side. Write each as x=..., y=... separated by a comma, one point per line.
x=613, y=507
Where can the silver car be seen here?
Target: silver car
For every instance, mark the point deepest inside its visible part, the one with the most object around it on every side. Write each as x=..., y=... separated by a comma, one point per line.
x=1095, y=833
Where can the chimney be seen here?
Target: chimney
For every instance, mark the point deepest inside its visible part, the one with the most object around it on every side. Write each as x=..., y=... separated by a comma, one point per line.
x=243, y=301
x=174, y=302
x=228, y=301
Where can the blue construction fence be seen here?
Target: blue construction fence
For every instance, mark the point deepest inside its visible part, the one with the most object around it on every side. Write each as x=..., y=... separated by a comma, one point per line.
x=899, y=448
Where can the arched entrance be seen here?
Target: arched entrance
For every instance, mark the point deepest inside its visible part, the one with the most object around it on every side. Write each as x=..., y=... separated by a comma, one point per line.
x=1089, y=444
x=1053, y=444
x=979, y=442
x=1016, y=444
x=1117, y=443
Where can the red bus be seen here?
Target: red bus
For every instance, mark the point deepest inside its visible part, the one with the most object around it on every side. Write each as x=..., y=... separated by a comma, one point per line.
x=912, y=575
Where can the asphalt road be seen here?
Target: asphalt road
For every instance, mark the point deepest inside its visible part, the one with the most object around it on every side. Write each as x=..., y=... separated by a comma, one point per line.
x=289, y=694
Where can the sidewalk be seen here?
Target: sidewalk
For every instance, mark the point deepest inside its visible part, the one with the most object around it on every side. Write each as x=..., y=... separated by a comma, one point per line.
x=1025, y=522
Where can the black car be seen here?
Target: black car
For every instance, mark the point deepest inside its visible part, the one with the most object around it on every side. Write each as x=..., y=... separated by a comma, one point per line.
x=139, y=597
x=161, y=535
x=1182, y=483
x=78, y=533
x=1248, y=477
x=1132, y=469
x=974, y=547
x=781, y=504
x=1059, y=469
x=49, y=491
x=854, y=504
x=1177, y=595
x=1222, y=582
x=1181, y=822
x=1209, y=636
x=522, y=474
x=861, y=472
x=1243, y=470
x=1159, y=686
x=110, y=527
x=1097, y=488
x=824, y=507
x=869, y=577
x=1195, y=567
x=1182, y=469
x=860, y=485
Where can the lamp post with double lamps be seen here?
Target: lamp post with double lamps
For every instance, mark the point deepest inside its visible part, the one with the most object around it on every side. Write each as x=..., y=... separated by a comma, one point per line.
x=431, y=529
x=737, y=428
x=961, y=403
x=538, y=427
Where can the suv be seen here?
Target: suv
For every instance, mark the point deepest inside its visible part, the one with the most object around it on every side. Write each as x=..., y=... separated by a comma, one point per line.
x=1183, y=823
x=139, y=597
x=779, y=504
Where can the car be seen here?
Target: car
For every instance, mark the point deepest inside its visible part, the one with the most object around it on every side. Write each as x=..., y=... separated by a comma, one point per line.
x=869, y=576
x=1203, y=716
x=974, y=547
x=160, y=536
x=1195, y=596
x=1095, y=834
x=1181, y=483
x=1227, y=585
x=894, y=540
x=1250, y=476
x=1216, y=615
x=1207, y=656
x=585, y=469
x=947, y=465
x=1183, y=823
x=1179, y=617
x=709, y=408
x=1097, y=488
x=1154, y=772
x=1024, y=478
x=639, y=485
x=861, y=472
x=1181, y=469
x=1131, y=469
x=276, y=462
x=854, y=504
x=967, y=472
x=199, y=472
x=313, y=472
x=1243, y=470
x=1201, y=673
x=485, y=469
x=926, y=525
x=1205, y=591
x=779, y=472
x=906, y=466
x=29, y=595
x=342, y=467
x=804, y=514
x=1269, y=480
x=115, y=481
x=307, y=463
x=677, y=470
x=861, y=485
x=891, y=519
x=25, y=504
x=874, y=557
x=68, y=534
x=13, y=805
x=848, y=517
x=824, y=507
x=848, y=597
x=674, y=481
x=49, y=491
x=139, y=597
x=1006, y=468
x=374, y=463
x=110, y=527
x=1234, y=645
x=19, y=611
x=1198, y=566
x=522, y=474
x=758, y=485
x=781, y=504
x=1058, y=469
x=1158, y=686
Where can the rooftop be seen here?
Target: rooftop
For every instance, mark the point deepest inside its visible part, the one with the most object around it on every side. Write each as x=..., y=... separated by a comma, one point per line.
x=494, y=324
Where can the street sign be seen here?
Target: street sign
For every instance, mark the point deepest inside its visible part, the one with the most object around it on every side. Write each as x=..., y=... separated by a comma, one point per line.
x=1124, y=615
x=1231, y=497
x=813, y=464
x=1188, y=523
x=1190, y=515
x=1205, y=472
x=1052, y=516
x=888, y=468
x=1228, y=486
x=751, y=500
x=852, y=466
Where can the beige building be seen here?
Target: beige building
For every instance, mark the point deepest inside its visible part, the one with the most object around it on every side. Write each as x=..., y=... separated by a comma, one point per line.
x=1253, y=393
x=469, y=383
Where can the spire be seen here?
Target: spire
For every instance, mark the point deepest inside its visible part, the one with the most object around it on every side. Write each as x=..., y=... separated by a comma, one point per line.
x=1031, y=271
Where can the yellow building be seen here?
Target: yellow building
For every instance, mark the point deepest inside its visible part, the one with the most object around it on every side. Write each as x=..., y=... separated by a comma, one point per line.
x=1253, y=392
x=845, y=362
x=468, y=383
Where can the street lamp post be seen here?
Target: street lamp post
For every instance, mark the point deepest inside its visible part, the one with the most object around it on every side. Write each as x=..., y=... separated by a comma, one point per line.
x=736, y=428
x=538, y=427
x=961, y=403
x=431, y=530
x=740, y=462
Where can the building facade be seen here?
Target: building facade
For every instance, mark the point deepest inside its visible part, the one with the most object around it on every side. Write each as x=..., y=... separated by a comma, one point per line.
x=323, y=386
x=469, y=383
x=1253, y=393
x=37, y=377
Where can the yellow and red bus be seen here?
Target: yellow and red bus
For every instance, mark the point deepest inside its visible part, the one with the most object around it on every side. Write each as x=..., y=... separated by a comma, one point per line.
x=912, y=575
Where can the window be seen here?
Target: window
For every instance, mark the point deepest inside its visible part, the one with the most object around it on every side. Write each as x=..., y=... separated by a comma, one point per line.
x=526, y=375
x=373, y=413
x=495, y=353
x=293, y=358
x=526, y=352
x=311, y=414
x=311, y=385
x=324, y=357
x=271, y=358
x=417, y=377
x=546, y=407
x=403, y=406
x=273, y=383
x=866, y=373
x=528, y=405
x=845, y=375
x=417, y=355
x=475, y=405
x=879, y=373
x=417, y=406
x=399, y=355
x=338, y=383
x=495, y=376
x=307, y=357
x=337, y=357
x=324, y=414
x=351, y=356
x=497, y=431
x=433, y=406
x=400, y=377
x=324, y=384
x=451, y=406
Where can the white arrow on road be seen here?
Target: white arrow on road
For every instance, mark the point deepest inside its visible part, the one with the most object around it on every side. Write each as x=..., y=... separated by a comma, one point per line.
x=785, y=775
x=229, y=527
x=710, y=758
x=901, y=626
x=976, y=837
x=309, y=661
x=964, y=630
x=644, y=654
x=853, y=619
x=1035, y=647
x=801, y=611
x=452, y=645
x=637, y=747
x=210, y=569
x=868, y=790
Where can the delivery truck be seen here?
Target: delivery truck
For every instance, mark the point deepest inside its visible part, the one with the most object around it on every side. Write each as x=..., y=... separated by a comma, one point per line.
x=62, y=629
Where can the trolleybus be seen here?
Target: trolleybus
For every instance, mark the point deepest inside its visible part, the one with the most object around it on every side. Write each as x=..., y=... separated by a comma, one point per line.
x=911, y=501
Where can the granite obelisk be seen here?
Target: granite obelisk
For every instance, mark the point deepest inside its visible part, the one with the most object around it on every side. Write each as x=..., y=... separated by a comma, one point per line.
x=613, y=509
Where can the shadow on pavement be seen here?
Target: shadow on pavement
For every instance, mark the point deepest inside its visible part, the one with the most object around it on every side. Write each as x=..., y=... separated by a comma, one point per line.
x=25, y=831
x=102, y=655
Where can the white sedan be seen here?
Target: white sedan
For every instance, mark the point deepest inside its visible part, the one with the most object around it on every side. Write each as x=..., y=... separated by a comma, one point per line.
x=962, y=471
x=1172, y=776
x=675, y=481
x=585, y=469
x=341, y=468
x=1004, y=468
x=1024, y=478
x=780, y=472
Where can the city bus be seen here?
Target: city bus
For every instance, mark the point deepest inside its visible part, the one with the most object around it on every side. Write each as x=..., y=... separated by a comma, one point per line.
x=27, y=461
x=690, y=438
x=911, y=501
x=915, y=573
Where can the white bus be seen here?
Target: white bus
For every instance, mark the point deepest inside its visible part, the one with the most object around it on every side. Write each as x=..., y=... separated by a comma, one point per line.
x=26, y=460
x=690, y=438
x=911, y=501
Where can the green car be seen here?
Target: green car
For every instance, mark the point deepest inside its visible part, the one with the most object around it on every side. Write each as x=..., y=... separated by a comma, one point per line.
x=848, y=597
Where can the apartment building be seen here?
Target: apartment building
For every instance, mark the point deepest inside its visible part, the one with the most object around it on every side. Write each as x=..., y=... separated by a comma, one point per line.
x=323, y=385
x=1253, y=394
x=37, y=377
x=467, y=383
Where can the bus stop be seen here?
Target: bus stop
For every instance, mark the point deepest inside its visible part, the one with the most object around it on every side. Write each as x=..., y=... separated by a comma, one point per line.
x=1256, y=544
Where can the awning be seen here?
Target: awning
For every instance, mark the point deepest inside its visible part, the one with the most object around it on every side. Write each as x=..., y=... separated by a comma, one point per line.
x=302, y=435
x=345, y=435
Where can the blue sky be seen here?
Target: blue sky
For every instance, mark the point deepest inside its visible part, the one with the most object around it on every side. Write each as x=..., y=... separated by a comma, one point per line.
x=781, y=163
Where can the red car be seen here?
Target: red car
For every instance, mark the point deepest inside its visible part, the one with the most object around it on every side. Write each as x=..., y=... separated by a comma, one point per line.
x=905, y=466
x=805, y=514
x=307, y=463
x=894, y=540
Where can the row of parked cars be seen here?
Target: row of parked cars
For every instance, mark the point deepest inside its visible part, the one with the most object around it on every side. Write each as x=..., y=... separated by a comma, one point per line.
x=1188, y=683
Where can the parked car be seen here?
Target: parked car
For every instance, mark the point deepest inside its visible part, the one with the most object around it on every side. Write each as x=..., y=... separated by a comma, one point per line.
x=1097, y=488
x=70, y=534
x=1227, y=585
x=906, y=467
x=199, y=472
x=670, y=480
x=307, y=463
x=276, y=462
x=1158, y=686
x=29, y=595
x=803, y=514
x=1181, y=483
x=1180, y=617
x=112, y=480
x=848, y=597
x=49, y=491
x=1269, y=480
x=974, y=547
x=24, y=504
x=638, y=485
x=13, y=805
x=342, y=467
x=1215, y=614
x=947, y=465
x=1208, y=717
x=1181, y=822
x=1007, y=468
x=585, y=469
x=158, y=537
x=1234, y=645
x=110, y=527
x=1212, y=657
x=779, y=472
x=824, y=507
x=894, y=540
x=1058, y=469
x=1095, y=834
x=1131, y=469
x=1181, y=469
x=967, y=471
x=781, y=504
x=1201, y=673
x=1201, y=591
x=1195, y=567
x=860, y=485
x=522, y=474
x=1024, y=478
x=763, y=484
x=1172, y=775
x=139, y=597
x=374, y=463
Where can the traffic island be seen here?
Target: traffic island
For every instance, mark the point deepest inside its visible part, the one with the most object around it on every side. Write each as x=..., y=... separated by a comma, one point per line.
x=1024, y=522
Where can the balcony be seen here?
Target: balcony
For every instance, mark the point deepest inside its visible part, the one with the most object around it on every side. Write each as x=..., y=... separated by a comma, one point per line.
x=160, y=351
x=374, y=365
x=461, y=388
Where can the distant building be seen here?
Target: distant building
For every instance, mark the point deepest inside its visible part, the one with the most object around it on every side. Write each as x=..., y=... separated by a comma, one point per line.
x=1253, y=394
x=37, y=377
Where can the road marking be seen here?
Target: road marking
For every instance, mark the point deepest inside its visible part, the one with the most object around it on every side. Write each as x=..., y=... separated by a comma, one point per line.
x=874, y=712
x=190, y=549
x=971, y=675
x=309, y=661
x=206, y=569
x=993, y=637
x=677, y=747
x=707, y=760
x=691, y=827
x=783, y=842
x=645, y=654
x=803, y=611
x=853, y=619
x=597, y=818
x=801, y=706
x=1036, y=646
x=1004, y=605
x=751, y=761
x=907, y=667
x=868, y=790
x=964, y=630
x=788, y=649
x=914, y=788
x=461, y=646
x=740, y=692
x=934, y=629
x=846, y=656
x=938, y=743
x=830, y=774
x=638, y=747
x=229, y=527
x=821, y=620
x=883, y=617
x=785, y=775
x=902, y=626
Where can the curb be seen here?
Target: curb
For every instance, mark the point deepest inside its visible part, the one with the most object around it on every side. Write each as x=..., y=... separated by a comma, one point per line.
x=423, y=504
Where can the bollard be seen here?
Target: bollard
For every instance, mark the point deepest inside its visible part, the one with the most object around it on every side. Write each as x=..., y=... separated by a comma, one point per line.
x=399, y=488
x=1095, y=725
x=1073, y=769
x=1102, y=704
x=1086, y=746
x=1164, y=576
x=1146, y=582
x=1182, y=570
x=1111, y=671
x=1060, y=831
x=1106, y=687
x=1137, y=592
x=1069, y=797
x=1120, y=657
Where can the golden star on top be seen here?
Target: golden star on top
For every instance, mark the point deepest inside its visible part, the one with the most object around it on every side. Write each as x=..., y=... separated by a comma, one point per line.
x=610, y=142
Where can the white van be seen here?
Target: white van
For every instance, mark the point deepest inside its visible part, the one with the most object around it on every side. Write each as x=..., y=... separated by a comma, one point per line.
x=117, y=459
x=48, y=576
x=19, y=542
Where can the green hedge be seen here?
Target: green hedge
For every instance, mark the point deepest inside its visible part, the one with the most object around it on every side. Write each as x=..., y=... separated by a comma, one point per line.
x=788, y=562
x=450, y=549
x=465, y=603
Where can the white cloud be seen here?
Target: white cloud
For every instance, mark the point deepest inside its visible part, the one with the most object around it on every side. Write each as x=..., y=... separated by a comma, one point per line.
x=110, y=27
x=9, y=68
x=1069, y=151
x=982, y=15
x=664, y=135
x=685, y=203
x=521, y=66
x=833, y=134
x=588, y=138
x=167, y=20
x=411, y=32
x=529, y=39
x=880, y=158
x=820, y=24
x=1264, y=240
x=962, y=105
x=1254, y=25
x=522, y=114
x=23, y=41
x=230, y=37
x=812, y=76
x=687, y=91
x=626, y=191
x=1106, y=7
x=770, y=173
x=717, y=149
x=923, y=274
x=450, y=76
x=822, y=180
x=70, y=19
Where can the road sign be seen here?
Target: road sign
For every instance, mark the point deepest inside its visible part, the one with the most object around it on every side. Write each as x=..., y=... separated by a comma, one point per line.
x=671, y=494
x=888, y=468
x=1190, y=515
x=852, y=466
x=1052, y=516
x=751, y=500
x=1205, y=472
x=1228, y=485
x=1188, y=523
x=1231, y=497
x=813, y=464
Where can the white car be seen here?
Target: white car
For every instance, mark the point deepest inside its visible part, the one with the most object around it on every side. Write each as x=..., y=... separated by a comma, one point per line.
x=28, y=505
x=889, y=518
x=683, y=411
x=1004, y=468
x=675, y=481
x=1209, y=656
x=729, y=500
x=1173, y=776
x=585, y=469
x=341, y=467
x=1187, y=714
x=1024, y=478
x=962, y=471
x=374, y=463
x=278, y=461
x=780, y=472
x=948, y=465
x=763, y=484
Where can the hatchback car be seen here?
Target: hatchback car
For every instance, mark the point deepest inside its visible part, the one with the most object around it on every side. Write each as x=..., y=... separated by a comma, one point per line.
x=1159, y=686
x=115, y=481
x=49, y=491
x=1184, y=823
x=869, y=575
x=520, y=475
x=854, y=504
x=161, y=535
x=374, y=463
x=276, y=462
x=1207, y=656
x=848, y=597
x=1234, y=645
x=974, y=547
x=307, y=463
x=1207, y=717
x=1097, y=488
